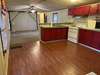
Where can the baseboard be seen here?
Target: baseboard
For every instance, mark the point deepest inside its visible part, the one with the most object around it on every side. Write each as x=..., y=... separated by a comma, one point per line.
x=90, y=47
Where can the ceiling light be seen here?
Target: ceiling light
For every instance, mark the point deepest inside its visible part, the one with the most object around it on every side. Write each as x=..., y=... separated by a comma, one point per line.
x=33, y=11
x=74, y=0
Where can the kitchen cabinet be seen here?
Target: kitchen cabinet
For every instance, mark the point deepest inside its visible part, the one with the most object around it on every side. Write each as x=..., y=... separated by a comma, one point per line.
x=85, y=10
x=79, y=11
x=95, y=42
x=90, y=38
x=51, y=34
x=93, y=9
x=85, y=36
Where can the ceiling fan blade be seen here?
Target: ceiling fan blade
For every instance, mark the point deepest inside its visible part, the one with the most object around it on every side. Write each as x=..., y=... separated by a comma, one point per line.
x=40, y=8
x=22, y=7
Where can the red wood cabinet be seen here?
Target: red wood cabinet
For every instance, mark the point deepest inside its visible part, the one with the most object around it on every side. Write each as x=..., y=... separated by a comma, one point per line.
x=90, y=38
x=50, y=34
x=79, y=11
x=96, y=40
x=85, y=36
x=91, y=9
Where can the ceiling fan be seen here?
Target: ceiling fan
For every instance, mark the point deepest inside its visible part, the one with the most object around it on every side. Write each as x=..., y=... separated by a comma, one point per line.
x=32, y=7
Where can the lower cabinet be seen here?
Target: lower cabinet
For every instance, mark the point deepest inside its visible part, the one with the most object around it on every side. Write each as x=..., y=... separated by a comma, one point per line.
x=95, y=42
x=90, y=38
x=51, y=34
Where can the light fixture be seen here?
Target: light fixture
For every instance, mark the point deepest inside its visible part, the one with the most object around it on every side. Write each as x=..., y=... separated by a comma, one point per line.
x=73, y=0
x=33, y=11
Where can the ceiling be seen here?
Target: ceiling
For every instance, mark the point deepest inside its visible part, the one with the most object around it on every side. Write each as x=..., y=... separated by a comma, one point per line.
x=47, y=5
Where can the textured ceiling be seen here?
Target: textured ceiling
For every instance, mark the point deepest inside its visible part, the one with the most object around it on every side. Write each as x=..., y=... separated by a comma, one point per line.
x=49, y=5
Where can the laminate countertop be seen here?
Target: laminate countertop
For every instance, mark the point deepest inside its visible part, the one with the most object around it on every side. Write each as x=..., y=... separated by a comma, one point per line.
x=48, y=26
x=64, y=26
x=97, y=30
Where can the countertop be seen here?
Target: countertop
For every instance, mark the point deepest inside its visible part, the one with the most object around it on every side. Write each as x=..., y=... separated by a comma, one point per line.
x=48, y=26
x=97, y=30
x=65, y=26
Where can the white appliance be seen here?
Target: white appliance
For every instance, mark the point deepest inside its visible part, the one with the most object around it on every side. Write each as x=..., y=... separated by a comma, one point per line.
x=73, y=34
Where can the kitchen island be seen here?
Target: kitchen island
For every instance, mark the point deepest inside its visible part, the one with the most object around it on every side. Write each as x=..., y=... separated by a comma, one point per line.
x=89, y=37
x=53, y=33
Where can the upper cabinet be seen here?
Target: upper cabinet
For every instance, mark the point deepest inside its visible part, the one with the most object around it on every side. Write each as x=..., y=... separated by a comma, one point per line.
x=93, y=9
x=79, y=11
x=85, y=10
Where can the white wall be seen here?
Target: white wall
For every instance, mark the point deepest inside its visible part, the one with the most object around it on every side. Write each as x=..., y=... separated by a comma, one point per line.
x=63, y=16
x=24, y=21
x=85, y=22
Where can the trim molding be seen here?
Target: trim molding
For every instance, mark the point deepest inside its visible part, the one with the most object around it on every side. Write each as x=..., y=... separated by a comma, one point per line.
x=90, y=47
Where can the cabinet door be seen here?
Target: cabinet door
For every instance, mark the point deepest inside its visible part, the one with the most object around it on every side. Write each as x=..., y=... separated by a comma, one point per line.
x=80, y=11
x=88, y=37
x=48, y=34
x=70, y=11
x=85, y=36
x=54, y=34
x=96, y=40
x=45, y=34
x=58, y=34
x=81, y=39
x=93, y=9
x=42, y=34
x=65, y=33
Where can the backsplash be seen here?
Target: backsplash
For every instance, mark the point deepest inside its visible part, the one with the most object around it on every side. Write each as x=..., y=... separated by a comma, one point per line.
x=85, y=22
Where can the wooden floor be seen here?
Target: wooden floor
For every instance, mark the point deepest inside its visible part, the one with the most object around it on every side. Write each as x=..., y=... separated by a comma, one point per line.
x=58, y=58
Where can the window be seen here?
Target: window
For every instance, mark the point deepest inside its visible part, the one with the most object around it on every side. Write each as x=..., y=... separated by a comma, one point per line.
x=55, y=17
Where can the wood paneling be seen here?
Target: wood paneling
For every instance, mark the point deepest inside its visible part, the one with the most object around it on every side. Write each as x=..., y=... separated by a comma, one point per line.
x=57, y=58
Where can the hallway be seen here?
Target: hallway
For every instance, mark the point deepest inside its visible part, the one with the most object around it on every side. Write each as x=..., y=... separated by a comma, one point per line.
x=56, y=58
